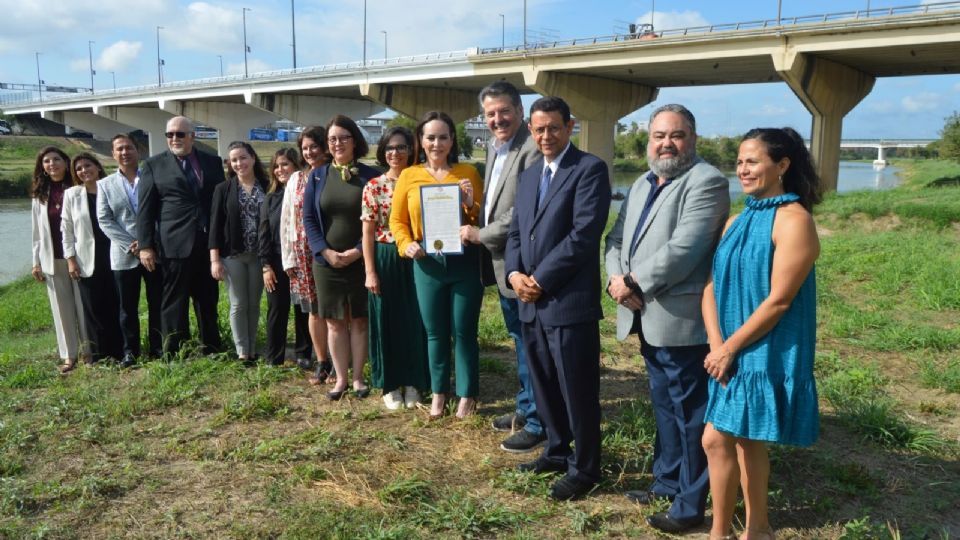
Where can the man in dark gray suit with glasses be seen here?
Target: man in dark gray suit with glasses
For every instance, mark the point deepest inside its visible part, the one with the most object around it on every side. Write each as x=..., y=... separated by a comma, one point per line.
x=176, y=191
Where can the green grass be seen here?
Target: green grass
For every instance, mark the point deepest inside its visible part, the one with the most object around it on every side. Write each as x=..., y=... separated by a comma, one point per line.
x=203, y=447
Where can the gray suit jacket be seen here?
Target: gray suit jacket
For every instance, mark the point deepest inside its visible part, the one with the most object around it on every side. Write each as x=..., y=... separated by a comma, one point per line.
x=674, y=253
x=493, y=234
x=118, y=221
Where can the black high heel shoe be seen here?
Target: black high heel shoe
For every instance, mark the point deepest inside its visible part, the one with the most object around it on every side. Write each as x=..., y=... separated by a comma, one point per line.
x=323, y=372
x=335, y=395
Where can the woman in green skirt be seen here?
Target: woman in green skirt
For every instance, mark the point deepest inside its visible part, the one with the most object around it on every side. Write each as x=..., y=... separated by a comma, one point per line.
x=398, y=354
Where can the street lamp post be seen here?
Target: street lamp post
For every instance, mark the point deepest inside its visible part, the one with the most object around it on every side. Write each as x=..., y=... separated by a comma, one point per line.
x=364, y=33
x=524, y=24
x=220, y=56
x=114, y=77
x=39, y=80
x=503, y=32
x=384, y=32
x=246, y=49
x=92, y=72
x=653, y=9
x=159, y=61
x=779, y=6
x=293, y=28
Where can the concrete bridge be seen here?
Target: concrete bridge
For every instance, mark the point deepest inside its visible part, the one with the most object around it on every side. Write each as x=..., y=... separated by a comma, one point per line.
x=883, y=144
x=829, y=61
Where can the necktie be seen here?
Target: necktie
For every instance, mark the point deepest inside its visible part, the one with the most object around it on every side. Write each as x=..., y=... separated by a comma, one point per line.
x=189, y=174
x=544, y=184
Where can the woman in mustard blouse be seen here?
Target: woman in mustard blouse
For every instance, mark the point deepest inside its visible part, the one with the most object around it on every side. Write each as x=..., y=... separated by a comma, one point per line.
x=449, y=291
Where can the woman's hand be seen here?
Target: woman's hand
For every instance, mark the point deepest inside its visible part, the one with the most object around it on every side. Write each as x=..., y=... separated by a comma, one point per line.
x=466, y=187
x=332, y=257
x=718, y=362
x=414, y=251
x=350, y=256
x=269, y=279
x=37, y=274
x=217, y=270
x=372, y=282
x=73, y=269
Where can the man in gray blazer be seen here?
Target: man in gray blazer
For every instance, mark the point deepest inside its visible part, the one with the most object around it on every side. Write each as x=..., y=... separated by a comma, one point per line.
x=658, y=259
x=117, y=204
x=510, y=152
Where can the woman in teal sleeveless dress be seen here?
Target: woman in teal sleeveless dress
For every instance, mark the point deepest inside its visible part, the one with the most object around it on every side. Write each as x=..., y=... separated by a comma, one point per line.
x=760, y=314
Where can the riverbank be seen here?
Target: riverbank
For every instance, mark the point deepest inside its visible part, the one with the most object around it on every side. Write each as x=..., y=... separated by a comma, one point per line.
x=205, y=448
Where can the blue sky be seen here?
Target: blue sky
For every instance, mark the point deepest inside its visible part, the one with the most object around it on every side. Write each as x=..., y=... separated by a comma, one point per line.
x=195, y=33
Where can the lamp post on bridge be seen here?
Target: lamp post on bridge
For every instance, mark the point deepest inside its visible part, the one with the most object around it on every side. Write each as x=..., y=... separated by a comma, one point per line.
x=220, y=56
x=246, y=49
x=39, y=80
x=293, y=32
x=364, y=33
x=503, y=32
x=92, y=72
x=159, y=61
x=384, y=32
x=114, y=77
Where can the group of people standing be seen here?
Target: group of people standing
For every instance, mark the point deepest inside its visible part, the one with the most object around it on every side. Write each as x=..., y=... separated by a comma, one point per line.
x=724, y=307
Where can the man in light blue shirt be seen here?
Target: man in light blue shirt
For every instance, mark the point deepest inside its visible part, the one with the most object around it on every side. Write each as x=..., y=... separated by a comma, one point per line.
x=117, y=207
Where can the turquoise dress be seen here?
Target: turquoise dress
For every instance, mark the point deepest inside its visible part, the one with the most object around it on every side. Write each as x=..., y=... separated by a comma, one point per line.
x=771, y=394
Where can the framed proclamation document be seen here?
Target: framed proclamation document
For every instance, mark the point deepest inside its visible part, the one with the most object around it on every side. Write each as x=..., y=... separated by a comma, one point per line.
x=440, y=207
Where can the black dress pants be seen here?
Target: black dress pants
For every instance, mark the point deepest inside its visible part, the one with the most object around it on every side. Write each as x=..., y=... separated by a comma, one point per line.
x=278, y=315
x=98, y=294
x=183, y=280
x=128, y=285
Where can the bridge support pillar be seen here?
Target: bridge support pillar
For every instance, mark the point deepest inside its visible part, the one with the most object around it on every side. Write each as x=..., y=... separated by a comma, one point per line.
x=881, y=160
x=100, y=127
x=829, y=91
x=312, y=110
x=596, y=102
x=232, y=120
x=152, y=121
x=414, y=101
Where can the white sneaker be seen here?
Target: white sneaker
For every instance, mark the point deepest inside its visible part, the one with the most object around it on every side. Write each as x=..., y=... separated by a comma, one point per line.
x=411, y=397
x=393, y=400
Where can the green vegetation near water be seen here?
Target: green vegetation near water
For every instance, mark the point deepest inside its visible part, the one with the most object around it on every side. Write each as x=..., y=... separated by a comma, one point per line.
x=202, y=447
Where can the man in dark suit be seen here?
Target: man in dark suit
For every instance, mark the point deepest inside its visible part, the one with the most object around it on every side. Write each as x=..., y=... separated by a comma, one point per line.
x=176, y=190
x=658, y=259
x=511, y=151
x=552, y=265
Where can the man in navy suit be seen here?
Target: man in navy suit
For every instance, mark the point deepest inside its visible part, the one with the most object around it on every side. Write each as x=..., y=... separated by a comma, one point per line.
x=553, y=266
x=173, y=224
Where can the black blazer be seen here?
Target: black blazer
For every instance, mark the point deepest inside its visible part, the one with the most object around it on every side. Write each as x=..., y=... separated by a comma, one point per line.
x=268, y=234
x=171, y=211
x=226, y=232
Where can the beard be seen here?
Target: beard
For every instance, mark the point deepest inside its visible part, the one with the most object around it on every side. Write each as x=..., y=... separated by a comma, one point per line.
x=672, y=167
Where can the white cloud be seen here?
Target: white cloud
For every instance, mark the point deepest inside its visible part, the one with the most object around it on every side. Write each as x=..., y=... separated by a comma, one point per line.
x=881, y=107
x=768, y=110
x=669, y=20
x=924, y=101
x=119, y=55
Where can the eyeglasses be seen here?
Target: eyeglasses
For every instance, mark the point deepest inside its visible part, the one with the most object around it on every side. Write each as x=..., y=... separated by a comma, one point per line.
x=399, y=149
x=339, y=140
x=176, y=134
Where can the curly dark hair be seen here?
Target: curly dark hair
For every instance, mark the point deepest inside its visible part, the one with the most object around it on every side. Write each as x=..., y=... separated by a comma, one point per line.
x=801, y=176
x=40, y=188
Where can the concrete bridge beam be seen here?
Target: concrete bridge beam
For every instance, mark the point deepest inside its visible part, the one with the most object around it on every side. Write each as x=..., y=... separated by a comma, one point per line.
x=232, y=120
x=312, y=110
x=100, y=127
x=829, y=91
x=415, y=101
x=596, y=102
x=152, y=121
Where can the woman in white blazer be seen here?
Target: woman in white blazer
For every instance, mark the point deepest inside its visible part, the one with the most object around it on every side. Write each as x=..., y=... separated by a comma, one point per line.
x=50, y=181
x=87, y=250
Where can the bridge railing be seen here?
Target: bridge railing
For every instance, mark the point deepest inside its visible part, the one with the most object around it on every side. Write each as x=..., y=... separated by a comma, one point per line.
x=843, y=18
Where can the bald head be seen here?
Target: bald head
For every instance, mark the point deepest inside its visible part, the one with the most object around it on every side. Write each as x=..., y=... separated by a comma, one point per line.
x=180, y=135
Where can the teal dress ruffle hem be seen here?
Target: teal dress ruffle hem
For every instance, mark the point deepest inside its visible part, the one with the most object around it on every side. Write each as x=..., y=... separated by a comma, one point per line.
x=771, y=394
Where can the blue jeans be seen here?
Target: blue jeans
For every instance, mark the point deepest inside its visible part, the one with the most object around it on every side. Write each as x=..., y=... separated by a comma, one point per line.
x=526, y=405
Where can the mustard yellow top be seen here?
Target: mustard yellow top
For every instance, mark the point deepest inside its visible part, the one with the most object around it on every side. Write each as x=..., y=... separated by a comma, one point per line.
x=406, y=220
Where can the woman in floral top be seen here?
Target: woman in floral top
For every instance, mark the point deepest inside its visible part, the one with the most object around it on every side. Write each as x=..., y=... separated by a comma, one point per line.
x=234, y=219
x=398, y=355
x=295, y=250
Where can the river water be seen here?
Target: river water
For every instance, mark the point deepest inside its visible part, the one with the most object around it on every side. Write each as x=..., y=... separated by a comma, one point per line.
x=15, y=234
